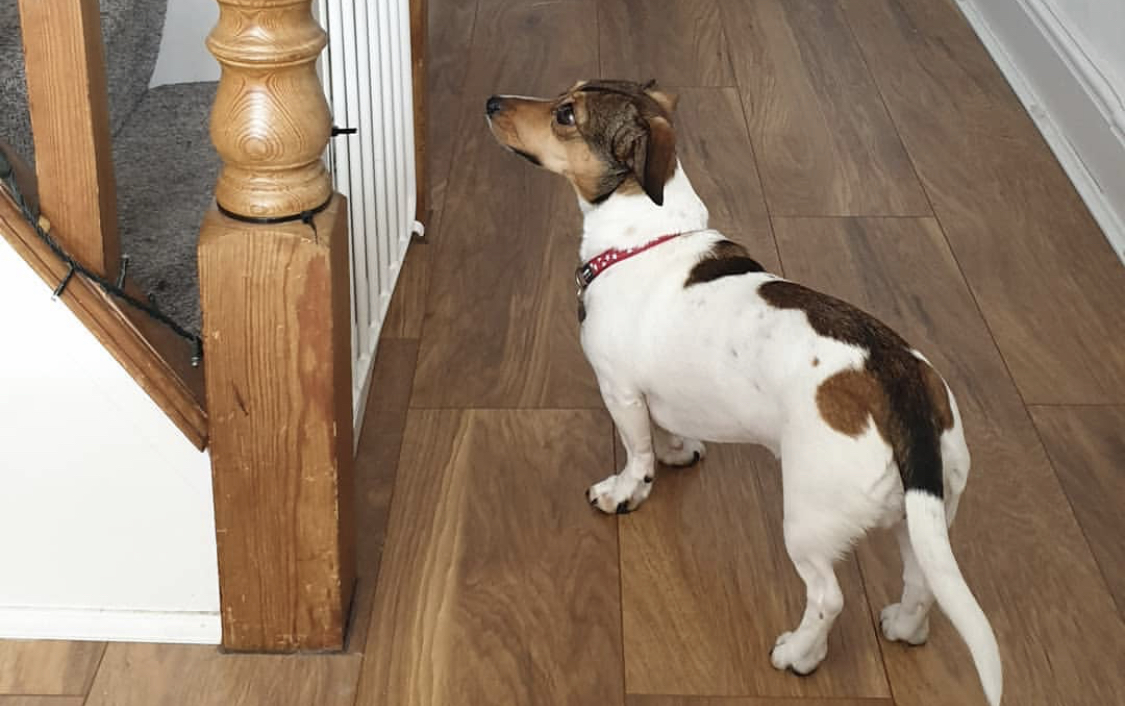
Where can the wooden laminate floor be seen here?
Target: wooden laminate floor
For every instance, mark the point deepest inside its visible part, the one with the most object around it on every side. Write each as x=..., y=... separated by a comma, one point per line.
x=869, y=148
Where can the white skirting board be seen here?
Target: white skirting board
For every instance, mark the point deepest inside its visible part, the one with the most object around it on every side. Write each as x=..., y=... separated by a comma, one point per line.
x=1075, y=106
x=111, y=625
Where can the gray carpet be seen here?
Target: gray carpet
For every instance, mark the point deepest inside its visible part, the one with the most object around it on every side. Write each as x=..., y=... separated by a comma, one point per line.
x=164, y=163
x=166, y=172
x=15, y=126
x=131, y=30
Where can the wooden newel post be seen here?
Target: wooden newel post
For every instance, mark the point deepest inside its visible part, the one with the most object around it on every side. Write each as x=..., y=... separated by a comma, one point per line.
x=276, y=327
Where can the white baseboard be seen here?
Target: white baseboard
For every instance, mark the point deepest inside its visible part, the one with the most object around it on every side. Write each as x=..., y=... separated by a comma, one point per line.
x=111, y=625
x=1076, y=108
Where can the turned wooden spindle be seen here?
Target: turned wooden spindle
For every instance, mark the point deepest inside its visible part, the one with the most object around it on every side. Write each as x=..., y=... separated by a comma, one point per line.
x=270, y=123
x=276, y=339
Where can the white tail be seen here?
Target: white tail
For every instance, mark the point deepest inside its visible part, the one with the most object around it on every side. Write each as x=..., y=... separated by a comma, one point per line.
x=929, y=535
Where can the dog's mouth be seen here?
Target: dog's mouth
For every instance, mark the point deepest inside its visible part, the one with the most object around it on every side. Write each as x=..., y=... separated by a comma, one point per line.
x=504, y=134
x=527, y=155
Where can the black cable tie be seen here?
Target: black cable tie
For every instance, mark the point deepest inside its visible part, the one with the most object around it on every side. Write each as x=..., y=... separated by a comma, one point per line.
x=197, y=352
x=7, y=178
x=337, y=131
x=65, y=281
x=307, y=219
x=121, y=272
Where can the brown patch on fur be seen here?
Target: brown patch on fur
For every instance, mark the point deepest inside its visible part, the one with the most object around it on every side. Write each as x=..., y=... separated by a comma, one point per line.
x=850, y=398
x=893, y=389
x=815, y=361
x=725, y=259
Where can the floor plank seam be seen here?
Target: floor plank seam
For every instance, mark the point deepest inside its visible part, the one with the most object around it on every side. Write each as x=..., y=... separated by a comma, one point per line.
x=847, y=21
x=874, y=611
x=435, y=231
x=621, y=601
x=598, y=35
x=694, y=698
x=383, y=551
x=94, y=675
x=754, y=153
x=460, y=90
x=725, y=40
x=1057, y=405
x=494, y=408
x=1090, y=546
x=842, y=217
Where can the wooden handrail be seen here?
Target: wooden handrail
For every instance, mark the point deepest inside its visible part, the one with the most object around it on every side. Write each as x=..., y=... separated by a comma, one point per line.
x=68, y=97
x=276, y=332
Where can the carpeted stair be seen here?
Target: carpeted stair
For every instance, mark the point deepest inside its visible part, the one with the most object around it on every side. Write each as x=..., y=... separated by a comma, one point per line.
x=166, y=171
x=164, y=163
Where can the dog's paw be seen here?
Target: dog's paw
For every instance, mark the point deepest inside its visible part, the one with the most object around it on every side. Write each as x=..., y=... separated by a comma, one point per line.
x=902, y=626
x=672, y=450
x=619, y=493
x=798, y=653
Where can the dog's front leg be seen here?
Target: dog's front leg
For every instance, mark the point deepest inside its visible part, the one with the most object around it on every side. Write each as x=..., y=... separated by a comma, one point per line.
x=625, y=491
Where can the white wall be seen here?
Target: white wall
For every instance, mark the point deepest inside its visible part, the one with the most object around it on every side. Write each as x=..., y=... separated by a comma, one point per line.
x=183, y=55
x=1099, y=26
x=106, y=523
x=1066, y=61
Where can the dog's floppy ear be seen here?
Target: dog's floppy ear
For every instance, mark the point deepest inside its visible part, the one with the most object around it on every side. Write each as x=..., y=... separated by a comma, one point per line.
x=654, y=154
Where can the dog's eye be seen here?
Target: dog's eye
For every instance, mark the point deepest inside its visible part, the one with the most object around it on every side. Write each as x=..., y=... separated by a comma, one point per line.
x=565, y=114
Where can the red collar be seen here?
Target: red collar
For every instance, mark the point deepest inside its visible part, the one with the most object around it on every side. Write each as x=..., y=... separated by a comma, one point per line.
x=588, y=271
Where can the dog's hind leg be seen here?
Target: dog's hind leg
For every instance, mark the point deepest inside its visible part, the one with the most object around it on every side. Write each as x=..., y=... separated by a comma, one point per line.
x=908, y=620
x=674, y=450
x=803, y=649
x=625, y=491
x=835, y=488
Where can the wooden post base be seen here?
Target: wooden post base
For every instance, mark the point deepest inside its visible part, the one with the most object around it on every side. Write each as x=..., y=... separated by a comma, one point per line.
x=276, y=328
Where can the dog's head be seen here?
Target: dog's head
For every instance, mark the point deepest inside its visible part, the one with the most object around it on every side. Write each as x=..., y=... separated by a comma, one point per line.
x=605, y=137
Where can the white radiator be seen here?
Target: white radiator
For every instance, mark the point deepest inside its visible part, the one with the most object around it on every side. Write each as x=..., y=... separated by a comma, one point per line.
x=367, y=77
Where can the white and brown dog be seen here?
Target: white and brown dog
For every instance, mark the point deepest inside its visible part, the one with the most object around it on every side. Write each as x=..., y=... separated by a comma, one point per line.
x=690, y=339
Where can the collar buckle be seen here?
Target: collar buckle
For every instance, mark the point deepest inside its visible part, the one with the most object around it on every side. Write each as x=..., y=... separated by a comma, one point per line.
x=584, y=275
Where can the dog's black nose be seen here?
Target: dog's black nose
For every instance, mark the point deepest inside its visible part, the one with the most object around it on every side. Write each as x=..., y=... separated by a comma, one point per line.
x=492, y=106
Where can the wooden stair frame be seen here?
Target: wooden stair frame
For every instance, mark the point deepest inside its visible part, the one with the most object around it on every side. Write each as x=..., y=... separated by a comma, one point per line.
x=75, y=192
x=128, y=343
x=275, y=298
x=276, y=329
